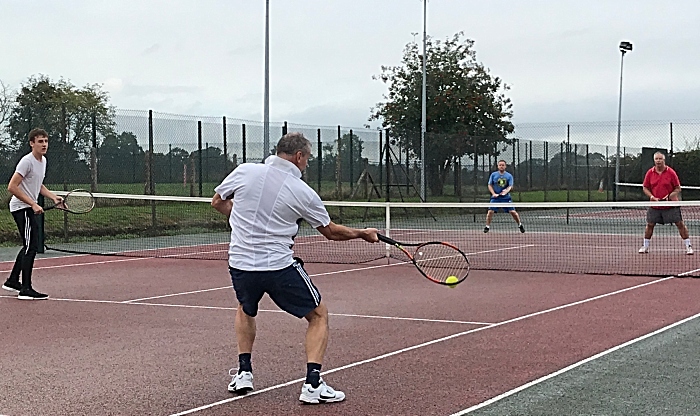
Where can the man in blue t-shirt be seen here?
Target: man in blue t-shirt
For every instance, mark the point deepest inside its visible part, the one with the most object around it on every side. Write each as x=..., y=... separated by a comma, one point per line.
x=500, y=185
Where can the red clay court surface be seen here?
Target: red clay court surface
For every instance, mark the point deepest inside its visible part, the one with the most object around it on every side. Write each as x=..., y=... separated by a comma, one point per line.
x=134, y=336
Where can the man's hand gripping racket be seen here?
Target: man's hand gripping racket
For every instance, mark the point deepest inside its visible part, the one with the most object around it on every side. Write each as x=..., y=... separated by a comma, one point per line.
x=77, y=201
x=441, y=263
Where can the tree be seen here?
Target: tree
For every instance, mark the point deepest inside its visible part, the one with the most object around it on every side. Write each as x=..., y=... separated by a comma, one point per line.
x=121, y=159
x=7, y=98
x=63, y=110
x=467, y=110
x=330, y=158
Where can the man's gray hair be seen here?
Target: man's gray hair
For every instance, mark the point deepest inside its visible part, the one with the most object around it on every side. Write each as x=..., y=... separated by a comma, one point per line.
x=291, y=143
x=659, y=153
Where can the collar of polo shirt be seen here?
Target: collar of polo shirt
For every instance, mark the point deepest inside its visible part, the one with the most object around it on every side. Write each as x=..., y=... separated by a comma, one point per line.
x=283, y=164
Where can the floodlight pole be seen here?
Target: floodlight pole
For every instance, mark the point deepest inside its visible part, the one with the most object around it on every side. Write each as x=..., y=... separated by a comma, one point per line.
x=423, y=109
x=266, y=99
x=624, y=48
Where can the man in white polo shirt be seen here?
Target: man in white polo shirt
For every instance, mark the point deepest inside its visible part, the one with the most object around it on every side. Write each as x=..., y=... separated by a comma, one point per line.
x=264, y=203
x=25, y=186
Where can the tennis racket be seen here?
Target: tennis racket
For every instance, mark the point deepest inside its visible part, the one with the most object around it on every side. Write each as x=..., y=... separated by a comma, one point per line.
x=77, y=201
x=435, y=260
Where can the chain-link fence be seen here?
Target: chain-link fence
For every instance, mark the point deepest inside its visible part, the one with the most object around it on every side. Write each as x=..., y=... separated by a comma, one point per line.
x=156, y=153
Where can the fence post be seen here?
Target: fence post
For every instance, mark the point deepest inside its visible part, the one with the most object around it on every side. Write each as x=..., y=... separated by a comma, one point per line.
x=243, y=141
x=225, y=172
x=93, y=155
x=319, y=159
x=199, y=156
x=387, y=167
x=670, y=159
x=338, y=170
x=149, y=169
x=352, y=186
x=588, y=173
x=381, y=160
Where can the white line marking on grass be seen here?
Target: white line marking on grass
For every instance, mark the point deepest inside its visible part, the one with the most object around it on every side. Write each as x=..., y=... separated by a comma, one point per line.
x=571, y=367
x=424, y=344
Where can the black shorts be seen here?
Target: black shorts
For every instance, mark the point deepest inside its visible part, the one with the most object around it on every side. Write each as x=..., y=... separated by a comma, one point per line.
x=290, y=288
x=664, y=216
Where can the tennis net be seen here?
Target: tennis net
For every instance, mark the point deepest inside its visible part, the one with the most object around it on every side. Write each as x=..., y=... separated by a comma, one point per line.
x=600, y=238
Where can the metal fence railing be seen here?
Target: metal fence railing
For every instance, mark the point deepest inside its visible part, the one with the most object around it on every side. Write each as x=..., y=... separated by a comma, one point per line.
x=147, y=152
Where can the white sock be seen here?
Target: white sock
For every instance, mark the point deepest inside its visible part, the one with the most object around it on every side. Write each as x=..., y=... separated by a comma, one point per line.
x=488, y=226
x=646, y=242
x=687, y=242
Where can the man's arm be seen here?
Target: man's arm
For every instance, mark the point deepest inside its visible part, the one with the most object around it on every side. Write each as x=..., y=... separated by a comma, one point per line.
x=13, y=188
x=648, y=193
x=339, y=232
x=674, y=193
x=55, y=198
x=224, y=206
x=493, y=193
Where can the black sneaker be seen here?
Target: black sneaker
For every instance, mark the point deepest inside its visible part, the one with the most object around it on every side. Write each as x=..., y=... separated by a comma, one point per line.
x=522, y=229
x=31, y=294
x=486, y=229
x=12, y=286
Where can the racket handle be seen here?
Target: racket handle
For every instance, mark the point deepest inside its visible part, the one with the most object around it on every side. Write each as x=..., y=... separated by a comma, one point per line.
x=387, y=240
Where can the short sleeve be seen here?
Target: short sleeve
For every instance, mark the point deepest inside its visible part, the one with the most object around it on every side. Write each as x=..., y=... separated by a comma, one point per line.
x=510, y=180
x=24, y=167
x=675, y=181
x=316, y=214
x=229, y=184
x=647, y=180
x=491, y=181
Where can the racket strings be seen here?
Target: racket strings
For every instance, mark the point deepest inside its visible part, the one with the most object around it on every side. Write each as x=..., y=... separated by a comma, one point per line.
x=79, y=202
x=440, y=261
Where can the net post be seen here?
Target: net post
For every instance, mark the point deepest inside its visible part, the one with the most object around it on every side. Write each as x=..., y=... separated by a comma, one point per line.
x=243, y=142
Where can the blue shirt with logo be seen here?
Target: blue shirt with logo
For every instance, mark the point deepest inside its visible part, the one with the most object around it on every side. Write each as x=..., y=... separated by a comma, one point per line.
x=500, y=181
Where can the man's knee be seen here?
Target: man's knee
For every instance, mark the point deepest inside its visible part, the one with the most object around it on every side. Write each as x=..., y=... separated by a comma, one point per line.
x=320, y=313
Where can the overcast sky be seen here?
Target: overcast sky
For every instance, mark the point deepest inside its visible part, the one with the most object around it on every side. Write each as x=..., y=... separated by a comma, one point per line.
x=206, y=57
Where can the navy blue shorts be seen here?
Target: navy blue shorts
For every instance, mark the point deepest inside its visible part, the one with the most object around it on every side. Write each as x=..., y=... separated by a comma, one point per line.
x=290, y=288
x=501, y=200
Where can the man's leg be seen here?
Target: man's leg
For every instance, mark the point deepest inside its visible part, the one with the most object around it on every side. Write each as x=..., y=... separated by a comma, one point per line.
x=516, y=217
x=12, y=282
x=245, y=331
x=685, y=235
x=317, y=334
x=648, y=232
x=248, y=293
x=314, y=390
x=489, y=217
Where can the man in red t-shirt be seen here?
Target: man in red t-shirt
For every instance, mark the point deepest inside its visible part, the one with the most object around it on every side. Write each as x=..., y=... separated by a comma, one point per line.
x=661, y=184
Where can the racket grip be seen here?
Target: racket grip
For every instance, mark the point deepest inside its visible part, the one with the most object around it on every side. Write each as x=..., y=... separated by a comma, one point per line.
x=386, y=239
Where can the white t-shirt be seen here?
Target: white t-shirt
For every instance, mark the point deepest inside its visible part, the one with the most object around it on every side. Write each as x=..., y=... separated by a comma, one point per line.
x=33, y=172
x=268, y=200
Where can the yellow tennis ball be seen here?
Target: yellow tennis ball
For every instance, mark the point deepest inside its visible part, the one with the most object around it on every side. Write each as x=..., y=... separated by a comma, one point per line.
x=451, y=281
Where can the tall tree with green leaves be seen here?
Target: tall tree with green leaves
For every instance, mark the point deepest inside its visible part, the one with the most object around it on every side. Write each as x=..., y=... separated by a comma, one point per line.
x=65, y=112
x=468, y=112
x=42, y=102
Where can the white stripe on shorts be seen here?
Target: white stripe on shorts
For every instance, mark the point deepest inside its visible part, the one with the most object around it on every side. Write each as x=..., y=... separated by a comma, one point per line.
x=307, y=280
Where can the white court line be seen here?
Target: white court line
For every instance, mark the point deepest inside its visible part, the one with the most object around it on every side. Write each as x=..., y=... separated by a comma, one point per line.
x=414, y=347
x=229, y=308
x=571, y=367
x=59, y=266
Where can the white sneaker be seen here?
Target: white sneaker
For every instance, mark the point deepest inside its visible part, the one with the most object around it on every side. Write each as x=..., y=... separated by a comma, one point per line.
x=240, y=382
x=644, y=250
x=689, y=250
x=322, y=394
